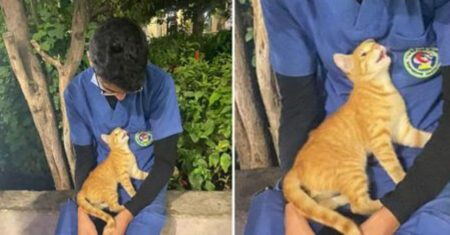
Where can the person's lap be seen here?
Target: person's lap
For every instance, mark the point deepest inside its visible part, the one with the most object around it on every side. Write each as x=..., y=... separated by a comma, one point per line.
x=266, y=213
x=150, y=220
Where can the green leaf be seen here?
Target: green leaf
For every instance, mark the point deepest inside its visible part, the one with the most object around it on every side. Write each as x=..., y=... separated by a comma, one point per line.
x=208, y=128
x=214, y=97
x=209, y=186
x=225, y=162
x=195, y=180
x=194, y=137
x=214, y=159
x=249, y=34
x=223, y=145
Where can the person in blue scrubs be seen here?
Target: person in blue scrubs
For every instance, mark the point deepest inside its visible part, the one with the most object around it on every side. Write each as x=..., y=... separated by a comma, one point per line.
x=121, y=89
x=303, y=36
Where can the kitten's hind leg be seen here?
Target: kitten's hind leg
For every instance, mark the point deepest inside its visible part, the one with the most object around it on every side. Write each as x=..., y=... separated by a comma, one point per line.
x=137, y=173
x=97, y=212
x=333, y=202
x=113, y=203
x=365, y=206
x=406, y=134
x=355, y=186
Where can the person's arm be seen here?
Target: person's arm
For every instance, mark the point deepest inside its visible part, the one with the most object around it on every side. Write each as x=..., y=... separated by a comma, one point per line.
x=293, y=57
x=301, y=111
x=426, y=178
x=85, y=162
x=430, y=172
x=159, y=175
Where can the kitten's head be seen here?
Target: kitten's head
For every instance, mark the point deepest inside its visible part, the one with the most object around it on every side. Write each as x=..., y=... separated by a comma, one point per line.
x=367, y=60
x=117, y=138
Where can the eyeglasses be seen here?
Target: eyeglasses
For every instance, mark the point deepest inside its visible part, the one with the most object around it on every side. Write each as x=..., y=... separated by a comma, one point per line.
x=104, y=92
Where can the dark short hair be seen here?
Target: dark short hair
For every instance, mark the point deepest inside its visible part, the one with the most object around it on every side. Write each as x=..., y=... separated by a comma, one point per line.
x=118, y=51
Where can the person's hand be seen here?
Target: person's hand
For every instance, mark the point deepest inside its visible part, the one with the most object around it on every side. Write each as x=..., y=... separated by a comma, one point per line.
x=85, y=224
x=294, y=222
x=122, y=220
x=382, y=222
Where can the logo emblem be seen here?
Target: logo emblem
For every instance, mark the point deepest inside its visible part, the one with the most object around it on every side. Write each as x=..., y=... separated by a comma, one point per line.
x=143, y=138
x=421, y=62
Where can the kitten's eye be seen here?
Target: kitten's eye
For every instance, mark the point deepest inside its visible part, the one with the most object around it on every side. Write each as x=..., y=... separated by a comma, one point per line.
x=363, y=54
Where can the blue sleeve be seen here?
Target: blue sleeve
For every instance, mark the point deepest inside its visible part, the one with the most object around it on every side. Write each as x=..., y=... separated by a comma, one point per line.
x=441, y=26
x=165, y=117
x=79, y=131
x=292, y=52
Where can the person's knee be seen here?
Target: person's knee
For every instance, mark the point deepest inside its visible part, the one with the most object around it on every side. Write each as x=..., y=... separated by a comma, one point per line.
x=266, y=213
x=67, y=221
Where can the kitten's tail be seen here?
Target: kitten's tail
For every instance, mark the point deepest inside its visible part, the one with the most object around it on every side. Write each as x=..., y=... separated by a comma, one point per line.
x=94, y=211
x=309, y=208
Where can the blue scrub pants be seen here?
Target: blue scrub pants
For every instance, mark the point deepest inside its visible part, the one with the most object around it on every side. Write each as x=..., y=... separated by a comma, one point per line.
x=266, y=213
x=149, y=221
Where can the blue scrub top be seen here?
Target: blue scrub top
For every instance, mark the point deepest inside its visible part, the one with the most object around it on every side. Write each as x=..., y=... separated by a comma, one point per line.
x=154, y=111
x=304, y=35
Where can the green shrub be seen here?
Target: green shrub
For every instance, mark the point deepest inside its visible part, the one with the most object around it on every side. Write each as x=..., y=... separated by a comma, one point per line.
x=175, y=50
x=204, y=94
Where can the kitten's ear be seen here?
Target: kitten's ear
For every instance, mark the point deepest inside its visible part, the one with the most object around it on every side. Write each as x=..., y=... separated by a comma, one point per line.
x=344, y=62
x=105, y=138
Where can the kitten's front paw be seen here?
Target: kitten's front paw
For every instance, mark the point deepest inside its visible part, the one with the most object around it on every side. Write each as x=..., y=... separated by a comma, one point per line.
x=399, y=176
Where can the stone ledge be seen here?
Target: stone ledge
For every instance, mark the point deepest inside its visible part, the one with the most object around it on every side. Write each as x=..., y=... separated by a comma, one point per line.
x=189, y=213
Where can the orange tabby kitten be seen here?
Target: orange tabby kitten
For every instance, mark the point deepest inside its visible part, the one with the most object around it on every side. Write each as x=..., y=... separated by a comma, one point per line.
x=330, y=169
x=99, y=191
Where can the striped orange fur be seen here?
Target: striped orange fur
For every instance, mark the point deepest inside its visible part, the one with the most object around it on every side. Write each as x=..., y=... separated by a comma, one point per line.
x=99, y=190
x=330, y=169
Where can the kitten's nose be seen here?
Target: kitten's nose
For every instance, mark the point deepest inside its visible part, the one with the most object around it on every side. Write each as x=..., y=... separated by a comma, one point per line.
x=382, y=48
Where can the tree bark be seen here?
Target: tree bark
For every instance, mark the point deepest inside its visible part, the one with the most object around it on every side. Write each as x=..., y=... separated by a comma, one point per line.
x=198, y=21
x=74, y=55
x=67, y=70
x=34, y=87
x=252, y=137
x=266, y=80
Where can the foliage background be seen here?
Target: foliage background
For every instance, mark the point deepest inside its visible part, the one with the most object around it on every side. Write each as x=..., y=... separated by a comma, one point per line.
x=203, y=88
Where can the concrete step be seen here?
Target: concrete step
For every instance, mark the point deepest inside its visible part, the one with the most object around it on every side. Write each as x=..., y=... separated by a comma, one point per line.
x=189, y=213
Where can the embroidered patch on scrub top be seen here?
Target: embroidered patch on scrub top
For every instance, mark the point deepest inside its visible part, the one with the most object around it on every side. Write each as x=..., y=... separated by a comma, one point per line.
x=143, y=138
x=421, y=62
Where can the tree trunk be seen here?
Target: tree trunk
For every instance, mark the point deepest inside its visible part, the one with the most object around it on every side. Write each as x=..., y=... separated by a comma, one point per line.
x=198, y=21
x=266, y=80
x=253, y=143
x=34, y=87
x=74, y=55
x=67, y=70
x=242, y=144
